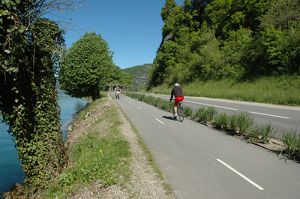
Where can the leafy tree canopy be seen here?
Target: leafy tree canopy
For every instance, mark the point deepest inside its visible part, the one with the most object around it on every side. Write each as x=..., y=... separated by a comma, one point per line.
x=87, y=65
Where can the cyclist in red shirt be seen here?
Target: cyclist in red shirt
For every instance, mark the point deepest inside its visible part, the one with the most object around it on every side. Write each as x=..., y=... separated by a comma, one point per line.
x=178, y=93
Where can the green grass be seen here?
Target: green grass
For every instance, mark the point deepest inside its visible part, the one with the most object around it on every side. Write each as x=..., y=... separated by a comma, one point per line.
x=95, y=157
x=200, y=114
x=83, y=111
x=283, y=90
x=244, y=122
x=188, y=112
x=260, y=133
x=291, y=141
x=221, y=121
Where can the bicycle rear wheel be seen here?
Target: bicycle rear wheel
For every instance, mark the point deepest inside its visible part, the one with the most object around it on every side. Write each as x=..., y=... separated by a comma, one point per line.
x=180, y=113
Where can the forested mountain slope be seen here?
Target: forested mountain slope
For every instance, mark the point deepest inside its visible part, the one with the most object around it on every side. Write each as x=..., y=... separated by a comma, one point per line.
x=139, y=75
x=227, y=39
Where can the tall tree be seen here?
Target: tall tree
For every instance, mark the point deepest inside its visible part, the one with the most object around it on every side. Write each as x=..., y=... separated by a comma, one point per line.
x=167, y=10
x=278, y=47
x=119, y=77
x=28, y=98
x=87, y=65
x=283, y=14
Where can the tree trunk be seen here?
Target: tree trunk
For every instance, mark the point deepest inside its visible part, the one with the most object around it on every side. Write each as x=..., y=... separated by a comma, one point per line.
x=96, y=92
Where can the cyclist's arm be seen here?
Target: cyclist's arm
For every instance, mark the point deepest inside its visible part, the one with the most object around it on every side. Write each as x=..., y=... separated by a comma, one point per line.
x=172, y=93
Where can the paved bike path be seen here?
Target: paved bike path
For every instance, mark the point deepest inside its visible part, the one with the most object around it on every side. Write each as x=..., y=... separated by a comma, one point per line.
x=200, y=162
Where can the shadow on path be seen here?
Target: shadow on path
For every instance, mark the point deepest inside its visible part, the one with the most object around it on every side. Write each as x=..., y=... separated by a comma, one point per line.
x=169, y=118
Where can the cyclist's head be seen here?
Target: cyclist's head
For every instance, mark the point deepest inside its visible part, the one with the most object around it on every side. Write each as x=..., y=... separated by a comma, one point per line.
x=177, y=85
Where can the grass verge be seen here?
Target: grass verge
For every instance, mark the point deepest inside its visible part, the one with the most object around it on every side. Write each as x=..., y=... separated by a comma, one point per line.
x=102, y=154
x=150, y=158
x=283, y=90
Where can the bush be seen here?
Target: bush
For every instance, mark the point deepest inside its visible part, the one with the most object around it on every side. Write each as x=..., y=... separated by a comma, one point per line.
x=156, y=102
x=200, y=114
x=244, y=122
x=292, y=143
x=170, y=107
x=260, y=133
x=188, y=112
x=266, y=132
x=210, y=114
x=233, y=123
x=221, y=121
x=166, y=106
x=253, y=134
x=142, y=97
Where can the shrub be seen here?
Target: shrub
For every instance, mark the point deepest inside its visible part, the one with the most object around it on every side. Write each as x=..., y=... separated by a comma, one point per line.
x=266, y=132
x=188, y=112
x=169, y=107
x=142, y=97
x=233, y=123
x=165, y=106
x=199, y=115
x=221, y=121
x=292, y=143
x=156, y=102
x=253, y=134
x=160, y=103
x=244, y=122
x=210, y=113
x=260, y=133
x=150, y=100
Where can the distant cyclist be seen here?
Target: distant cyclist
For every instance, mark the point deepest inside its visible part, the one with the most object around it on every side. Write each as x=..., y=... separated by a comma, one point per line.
x=178, y=93
x=117, y=92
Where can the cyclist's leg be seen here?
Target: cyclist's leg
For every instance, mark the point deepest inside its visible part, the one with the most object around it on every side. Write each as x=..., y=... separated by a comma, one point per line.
x=175, y=107
x=181, y=101
x=180, y=112
x=180, y=105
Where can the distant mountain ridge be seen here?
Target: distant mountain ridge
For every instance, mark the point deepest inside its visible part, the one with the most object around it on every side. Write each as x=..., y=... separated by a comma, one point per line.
x=139, y=75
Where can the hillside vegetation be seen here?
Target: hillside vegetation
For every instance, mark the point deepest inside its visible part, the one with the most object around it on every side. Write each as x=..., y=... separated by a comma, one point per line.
x=139, y=75
x=240, y=40
x=280, y=90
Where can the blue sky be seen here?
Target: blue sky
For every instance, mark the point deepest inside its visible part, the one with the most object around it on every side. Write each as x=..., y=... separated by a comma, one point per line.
x=132, y=28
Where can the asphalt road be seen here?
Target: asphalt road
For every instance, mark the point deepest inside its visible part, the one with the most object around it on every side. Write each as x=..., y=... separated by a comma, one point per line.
x=202, y=163
x=282, y=118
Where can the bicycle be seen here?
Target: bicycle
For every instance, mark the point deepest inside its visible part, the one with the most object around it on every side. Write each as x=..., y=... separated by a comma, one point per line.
x=117, y=94
x=180, y=111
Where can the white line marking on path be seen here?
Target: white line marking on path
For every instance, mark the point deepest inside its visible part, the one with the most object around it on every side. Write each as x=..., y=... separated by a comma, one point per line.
x=269, y=115
x=168, y=167
x=159, y=121
x=139, y=108
x=234, y=109
x=241, y=175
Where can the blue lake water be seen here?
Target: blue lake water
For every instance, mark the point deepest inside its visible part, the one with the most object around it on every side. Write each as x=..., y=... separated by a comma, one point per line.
x=10, y=168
